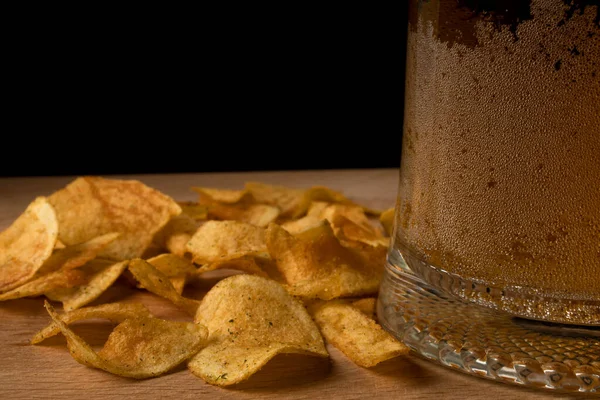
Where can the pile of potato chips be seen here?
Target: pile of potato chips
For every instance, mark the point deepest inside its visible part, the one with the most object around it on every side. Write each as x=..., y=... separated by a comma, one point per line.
x=306, y=265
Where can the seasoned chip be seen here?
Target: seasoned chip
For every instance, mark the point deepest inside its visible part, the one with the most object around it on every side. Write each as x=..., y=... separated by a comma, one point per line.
x=226, y=196
x=387, y=220
x=195, y=211
x=92, y=206
x=349, y=222
x=100, y=275
x=366, y=306
x=70, y=257
x=158, y=283
x=46, y=283
x=248, y=264
x=286, y=199
x=255, y=214
x=141, y=347
x=27, y=244
x=115, y=312
x=251, y=319
x=223, y=240
x=315, y=265
x=299, y=225
x=176, y=234
x=176, y=268
x=356, y=335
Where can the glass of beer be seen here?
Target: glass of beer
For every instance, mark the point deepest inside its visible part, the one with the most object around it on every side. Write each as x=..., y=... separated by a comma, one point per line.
x=499, y=188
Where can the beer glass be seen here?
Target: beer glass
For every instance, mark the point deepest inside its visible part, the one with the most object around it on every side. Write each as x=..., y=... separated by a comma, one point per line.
x=497, y=220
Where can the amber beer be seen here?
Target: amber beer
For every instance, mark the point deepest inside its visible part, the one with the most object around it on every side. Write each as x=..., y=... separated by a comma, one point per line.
x=500, y=174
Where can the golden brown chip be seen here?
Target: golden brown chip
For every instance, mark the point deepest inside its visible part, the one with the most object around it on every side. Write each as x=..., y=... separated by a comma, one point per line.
x=92, y=206
x=356, y=335
x=141, y=347
x=387, y=220
x=75, y=256
x=115, y=312
x=251, y=319
x=349, y=222
x=223, y=240
x=315, y=265
x=366, y=306
x=27, y=244
x=100, y=275
x=285, y=198
x=226, y=196
x=158, y=283
x=247, y=264
x=195, y=211
x=176, y=268
x=176, y=234
x=46, y=283
x=299, y=225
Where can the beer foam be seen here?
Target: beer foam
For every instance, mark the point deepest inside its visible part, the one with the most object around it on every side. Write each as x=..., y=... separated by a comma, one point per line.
x=500, y=174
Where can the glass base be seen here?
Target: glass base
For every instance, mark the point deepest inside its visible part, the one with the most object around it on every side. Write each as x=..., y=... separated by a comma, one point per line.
x=484, y=342
x=520, y=301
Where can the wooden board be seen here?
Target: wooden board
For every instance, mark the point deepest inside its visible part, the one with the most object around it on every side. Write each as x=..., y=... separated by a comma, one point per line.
x=48, y=371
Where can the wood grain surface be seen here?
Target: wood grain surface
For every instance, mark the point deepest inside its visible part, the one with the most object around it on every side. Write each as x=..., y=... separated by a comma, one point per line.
x=47, y=371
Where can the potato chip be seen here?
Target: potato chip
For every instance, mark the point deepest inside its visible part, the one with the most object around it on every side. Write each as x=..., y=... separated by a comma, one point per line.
x=255, y=214
x=115, y=312
x=92, y=206
x=195, y=211
x=175, y=235
x=176, y=268
x=100, y=275
x=75, y=256
x=141, y=347
x=387, y=220
x=247, y=264
x=158, y=283
x=226, y=196
x=299, y=225
x=27, y=244
x=46, y=283
x=251, y=319
x=349, y=222
x=315, y=265
x=356, y=335
x=223, y=240
x=286, y=199
x=366, y=306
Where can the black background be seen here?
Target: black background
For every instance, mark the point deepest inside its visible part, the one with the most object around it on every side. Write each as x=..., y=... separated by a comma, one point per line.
x=224, y=90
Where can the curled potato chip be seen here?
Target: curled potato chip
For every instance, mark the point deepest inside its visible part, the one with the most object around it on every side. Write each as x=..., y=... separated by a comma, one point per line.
x=70, y=257
x=46, y=283
x=236, y=205
x=100, y=275
x=248, y=264
x=226, y=196
x=299, y=225
x=158, y=283
x=141, y=347
x=222, y=240
x=115, y=312
x=366, y=306
x=286, y=199
x=251, y=319
x=175, y=235
x=92, y=206
x=349, y=222
x=176, y=268
x=387, y=220
x=314, y=264
x=27, y=244
x=356, y=335
x=195, y=211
